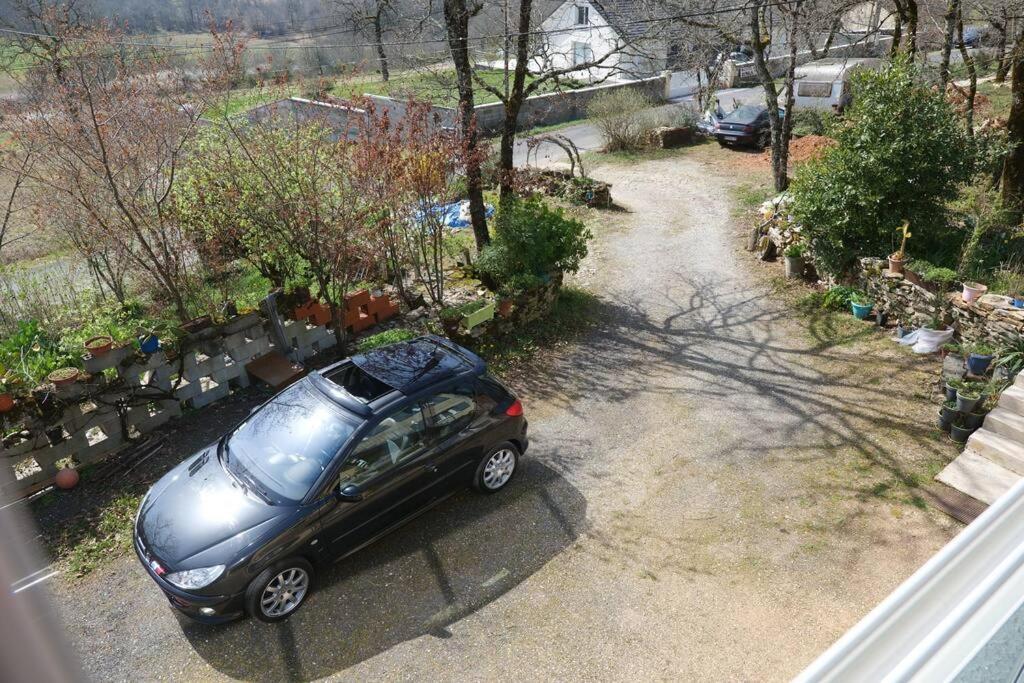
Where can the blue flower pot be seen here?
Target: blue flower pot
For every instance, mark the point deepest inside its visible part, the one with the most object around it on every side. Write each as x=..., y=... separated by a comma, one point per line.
x=861, y=311
x=149, y=344
x=978, y=364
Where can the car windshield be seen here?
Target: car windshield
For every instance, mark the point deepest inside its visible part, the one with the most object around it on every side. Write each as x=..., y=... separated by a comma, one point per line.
x=744, y=114
x=287, y=444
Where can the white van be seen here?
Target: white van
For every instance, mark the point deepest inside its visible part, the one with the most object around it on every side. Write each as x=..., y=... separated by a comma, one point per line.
x=825, y=83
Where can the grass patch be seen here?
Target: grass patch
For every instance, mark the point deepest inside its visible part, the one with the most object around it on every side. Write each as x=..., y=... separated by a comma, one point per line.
x=747, y=197
x=436, y=86
x=86, y=543
x=574, y=312
x=398, y=334
x=999, y=96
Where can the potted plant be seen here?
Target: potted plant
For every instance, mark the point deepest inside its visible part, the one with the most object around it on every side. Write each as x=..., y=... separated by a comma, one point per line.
x=979, y=357
x=947, y=413
x=973, y=419
x=896, y=258
x=949, y=388
x=881, y=317
x=794, y=258
x=959, y=431
x=99, y=345
x=968, y=395
x=149, y=341
x=63, y=377
x=973, y=291
x=951, y=348
x=861, y=305
x=8, y=382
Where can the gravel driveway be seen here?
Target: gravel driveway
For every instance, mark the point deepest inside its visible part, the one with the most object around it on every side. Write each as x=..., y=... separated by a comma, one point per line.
x=701, y=499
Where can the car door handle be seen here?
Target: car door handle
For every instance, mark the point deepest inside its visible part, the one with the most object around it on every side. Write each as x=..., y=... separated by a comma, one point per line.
x=430, y=467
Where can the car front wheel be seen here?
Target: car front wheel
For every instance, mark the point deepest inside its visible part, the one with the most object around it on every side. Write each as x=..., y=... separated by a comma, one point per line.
x=279, y=591
x=496, y=468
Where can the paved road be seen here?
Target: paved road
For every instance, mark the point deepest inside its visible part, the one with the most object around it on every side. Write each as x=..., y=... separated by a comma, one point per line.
x=690, y=507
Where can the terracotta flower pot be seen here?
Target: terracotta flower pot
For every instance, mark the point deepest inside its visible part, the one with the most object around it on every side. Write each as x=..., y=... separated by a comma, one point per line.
x=973, y=291
x=63, y=377
x=97, y=346
x=67, y=478
x=895, y=264
x=6, y=403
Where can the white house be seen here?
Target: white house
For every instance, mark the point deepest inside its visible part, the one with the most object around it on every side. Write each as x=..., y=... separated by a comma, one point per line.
x=608, y=31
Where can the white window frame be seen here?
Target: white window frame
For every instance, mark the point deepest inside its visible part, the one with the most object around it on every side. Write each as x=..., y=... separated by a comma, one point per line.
x=581, y=52
x=582, y=15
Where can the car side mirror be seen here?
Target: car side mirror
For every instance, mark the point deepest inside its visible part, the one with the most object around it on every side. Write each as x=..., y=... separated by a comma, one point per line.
x=350, y=493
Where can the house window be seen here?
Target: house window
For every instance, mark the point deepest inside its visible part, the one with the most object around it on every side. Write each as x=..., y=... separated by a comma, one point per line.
x=582, y=15
x=580, y=53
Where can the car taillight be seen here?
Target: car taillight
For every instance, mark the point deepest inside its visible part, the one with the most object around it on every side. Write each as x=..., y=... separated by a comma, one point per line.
x=516, y=409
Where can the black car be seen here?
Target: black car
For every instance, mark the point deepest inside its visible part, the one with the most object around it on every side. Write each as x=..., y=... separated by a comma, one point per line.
x=747, y=125
x=324, y=468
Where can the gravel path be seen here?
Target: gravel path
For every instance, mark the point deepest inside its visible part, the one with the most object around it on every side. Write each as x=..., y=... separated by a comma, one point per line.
x=710, y=495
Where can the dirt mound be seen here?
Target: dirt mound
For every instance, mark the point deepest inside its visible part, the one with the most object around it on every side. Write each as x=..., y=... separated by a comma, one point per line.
x=804, y=149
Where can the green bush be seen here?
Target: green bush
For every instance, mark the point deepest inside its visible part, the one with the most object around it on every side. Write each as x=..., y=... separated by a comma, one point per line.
x=902, y=154
x=994, y=239
x=943, y=278
x=808, y=122
x=532, y=241
x=398, y=334
x=838, y=297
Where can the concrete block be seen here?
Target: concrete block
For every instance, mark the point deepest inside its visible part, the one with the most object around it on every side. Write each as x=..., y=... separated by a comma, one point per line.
x=211, y=391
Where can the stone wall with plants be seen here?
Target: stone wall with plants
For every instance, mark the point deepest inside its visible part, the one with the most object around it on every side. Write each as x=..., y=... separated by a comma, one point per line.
x=992, y=318
x=126, y=389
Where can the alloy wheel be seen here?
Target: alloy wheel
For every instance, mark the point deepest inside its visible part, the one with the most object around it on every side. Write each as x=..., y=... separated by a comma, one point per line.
x=285, y=592
x=499, y=468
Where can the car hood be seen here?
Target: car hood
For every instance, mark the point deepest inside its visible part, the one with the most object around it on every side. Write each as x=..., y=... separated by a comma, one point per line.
x=197, y=511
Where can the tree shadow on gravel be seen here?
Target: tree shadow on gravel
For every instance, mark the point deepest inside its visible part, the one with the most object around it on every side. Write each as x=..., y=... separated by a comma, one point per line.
x=733, y=347
x=440, y=568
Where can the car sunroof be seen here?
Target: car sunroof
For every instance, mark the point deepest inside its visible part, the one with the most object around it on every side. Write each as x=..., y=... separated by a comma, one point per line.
x=358, y=383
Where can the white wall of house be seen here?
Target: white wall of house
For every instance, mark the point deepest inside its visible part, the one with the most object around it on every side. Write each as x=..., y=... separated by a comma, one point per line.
x=584, y=42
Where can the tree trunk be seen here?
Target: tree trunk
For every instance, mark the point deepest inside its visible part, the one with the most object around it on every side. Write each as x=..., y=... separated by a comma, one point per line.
x=514, y=103
x=1013, y=167
x=948, y=35
x=382, y=57
x=897, y=35
x=972, y=72
x=781, y=127
x=456, y=19
x=1003, y=63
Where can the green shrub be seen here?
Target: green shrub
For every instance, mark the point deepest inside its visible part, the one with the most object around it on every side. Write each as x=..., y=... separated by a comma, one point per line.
x=994, y=239
x=838, y=297
x=398, y=334
x=30, y=354
x=942, y=278
x=902, y=154
x=808, y=122
x=531, y=242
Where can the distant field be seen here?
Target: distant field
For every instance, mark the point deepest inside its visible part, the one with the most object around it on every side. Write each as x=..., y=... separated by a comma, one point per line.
x=437, y=86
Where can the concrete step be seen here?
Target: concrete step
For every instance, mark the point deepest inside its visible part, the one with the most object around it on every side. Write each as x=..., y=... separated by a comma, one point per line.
x=1013, y=399
x=1005, y=423
x=1019, y=380
x=1004, y=452
x=978, y=477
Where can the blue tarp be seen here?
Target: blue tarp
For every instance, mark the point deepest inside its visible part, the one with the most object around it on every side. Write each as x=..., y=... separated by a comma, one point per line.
x=456, y=214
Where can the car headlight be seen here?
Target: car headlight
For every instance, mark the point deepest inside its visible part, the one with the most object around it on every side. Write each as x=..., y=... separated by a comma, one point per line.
x=195, y=578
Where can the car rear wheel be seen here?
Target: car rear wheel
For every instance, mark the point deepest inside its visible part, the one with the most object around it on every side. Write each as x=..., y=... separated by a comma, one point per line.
x=279, y=591
x=496, y=468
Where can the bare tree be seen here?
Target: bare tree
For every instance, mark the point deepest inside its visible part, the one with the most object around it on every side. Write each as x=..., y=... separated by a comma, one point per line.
x=372, y=19
x=112, y=122
x=17, y=160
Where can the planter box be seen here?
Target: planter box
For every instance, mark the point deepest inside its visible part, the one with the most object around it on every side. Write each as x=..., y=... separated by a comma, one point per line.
x=479, y=316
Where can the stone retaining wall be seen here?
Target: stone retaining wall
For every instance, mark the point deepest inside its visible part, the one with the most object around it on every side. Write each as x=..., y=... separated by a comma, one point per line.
x=991, y=319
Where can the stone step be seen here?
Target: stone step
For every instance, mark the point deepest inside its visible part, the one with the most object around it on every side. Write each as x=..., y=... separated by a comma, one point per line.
x=1005, y=423
x=1013, y=399
x=1004, y=452
x=978, y=477
x=1019, y=380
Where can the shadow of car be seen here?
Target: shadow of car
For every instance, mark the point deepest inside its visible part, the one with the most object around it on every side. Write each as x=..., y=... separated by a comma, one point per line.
x=433, y=572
